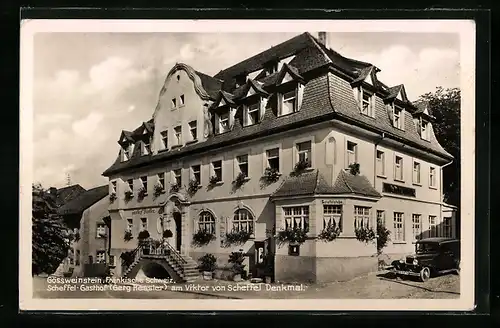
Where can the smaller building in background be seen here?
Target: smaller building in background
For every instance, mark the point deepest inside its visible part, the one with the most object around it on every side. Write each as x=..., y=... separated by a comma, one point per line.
x=87, y=216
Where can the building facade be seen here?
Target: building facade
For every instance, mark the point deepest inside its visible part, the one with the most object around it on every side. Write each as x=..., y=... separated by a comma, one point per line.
x=273, y=143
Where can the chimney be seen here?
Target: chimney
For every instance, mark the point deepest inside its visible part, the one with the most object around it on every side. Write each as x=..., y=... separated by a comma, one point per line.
x=53, y=191
x=322, y=38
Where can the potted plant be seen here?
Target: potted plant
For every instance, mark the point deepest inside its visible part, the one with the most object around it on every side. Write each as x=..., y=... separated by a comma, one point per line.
x=236, y=260
x=208, y=266
x=364, y=234
x=271, y=175
x=128, y=195
x=202, y=237
x=128, y=235
x=354, y=168
x=241, y=178
x=112, y=197
x=301, y=166
x=158, y=189
x=329, y=233
x=193, y=186
x=237, y=237
x=213, y=180
x=142, y=193
x=174, y=187
x=293, y=236
x=167, y=234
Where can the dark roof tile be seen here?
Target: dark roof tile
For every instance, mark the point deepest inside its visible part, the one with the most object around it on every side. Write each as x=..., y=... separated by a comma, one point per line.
x=348, y=183
x=84, y=201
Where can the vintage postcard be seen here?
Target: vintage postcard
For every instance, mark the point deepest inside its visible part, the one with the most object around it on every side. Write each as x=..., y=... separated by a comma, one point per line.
x=259, y=165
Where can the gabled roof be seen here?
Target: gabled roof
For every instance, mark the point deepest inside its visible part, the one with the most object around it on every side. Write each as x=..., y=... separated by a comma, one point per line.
x=66, y=194
x=293, y=71
x=251, y=84
x=84, y=201
x=394, y=92
x=125, y=136
x=313, y=183
x=210, y=84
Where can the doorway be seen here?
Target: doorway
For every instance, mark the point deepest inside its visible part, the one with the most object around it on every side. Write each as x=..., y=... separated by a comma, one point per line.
x=178, y=231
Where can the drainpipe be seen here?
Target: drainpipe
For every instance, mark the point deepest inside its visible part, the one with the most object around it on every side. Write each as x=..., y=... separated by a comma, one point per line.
x=442, y=195
x=382, y=136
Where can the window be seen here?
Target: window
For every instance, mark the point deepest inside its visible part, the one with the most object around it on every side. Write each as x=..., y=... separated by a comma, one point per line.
x=217, y=168
x=361, y=217
x=432, y=226
x=112, y=260
x=193, y=130
x=416, y=225
x=416, y=172
x=332, y=215
x=100, y=257
x=178, y=177
x=398, y=117
x=77, y=257
x=296, y=217
x=380, y=163
x=304, y=152
x=174, y=103
x=130, y=225
x=161, y=180
x=130, y=183
x=273, y=158
x=113, y=186
x=243, y=164
x=196, y=170
x=366, y=101
x=398, y=168
x=289, y=103
x=243, y=221
x=399, y=226
x=351, y=153
x=424, y=129
x=178, y=134
x=206, y=222
x=147, y=146
x=447, y=227
x=381, y=218
x=181, y=100
x=164, y=138
x=144, y=224
x=144, y=181
x=101, y=230
x=127, y=152
x=253, y=114
x=223, y=123
x=432, y=177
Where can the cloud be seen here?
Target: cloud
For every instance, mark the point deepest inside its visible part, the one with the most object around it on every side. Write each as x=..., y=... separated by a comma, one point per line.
x=131, y=108
x=86, y=127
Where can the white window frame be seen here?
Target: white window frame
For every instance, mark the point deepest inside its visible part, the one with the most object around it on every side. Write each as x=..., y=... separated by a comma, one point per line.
x=129, y=225
x=399, y=227
x=193, y=175
x=178, y=134
x=144, y=224
x=369, y=111
x=432, y=177
x=416, y=225
x=98, y=258
x=224, y=120
x=332, y=214
x=282, y=101
x=161, y=179
x=144, y=182
x=240, y=224
x=130, y=184
x=417, y=175
x=362, y=217
x=296, y=152
x=300, y=213
x=206, y=222
x=194, y=136
x=398, y=112
x=447, y=230
x=424, y=129
x=113, y=185
x=173, y=103
x=350, y=153
x=182, y=100
x=177, y=173
x=402, y=176
x=239, y=164
x=249, y=110
x=100, y=230
x=265, y=163
x=164, y=138
x=380, y=163
x=381, y=217
x=212, y=168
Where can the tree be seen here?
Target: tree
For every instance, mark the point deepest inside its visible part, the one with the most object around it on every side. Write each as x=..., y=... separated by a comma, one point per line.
x=444, y=105
x=50, y=239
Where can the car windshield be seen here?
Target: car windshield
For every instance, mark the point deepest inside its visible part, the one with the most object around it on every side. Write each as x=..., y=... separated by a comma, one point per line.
x=423, y=248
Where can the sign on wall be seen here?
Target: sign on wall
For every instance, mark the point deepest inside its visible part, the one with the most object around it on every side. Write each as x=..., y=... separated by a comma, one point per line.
x=144, y=211
x=333, y=201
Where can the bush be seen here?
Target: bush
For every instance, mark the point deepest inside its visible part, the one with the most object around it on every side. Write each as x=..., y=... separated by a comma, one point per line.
x=383, y=237
x=354, y=168
x=167, y=234
x=301, y=166
x=365, y=234
x=330, y=233
x=208, y=263
x=237, y=259
x=240, y=179
x=295, y=235
x=237, y=237
x=271, y=175
x=202, y=237
x=144, y=234
x=128, y=235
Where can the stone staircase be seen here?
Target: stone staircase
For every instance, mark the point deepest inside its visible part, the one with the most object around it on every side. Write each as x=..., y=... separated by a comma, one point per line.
x=182, y=268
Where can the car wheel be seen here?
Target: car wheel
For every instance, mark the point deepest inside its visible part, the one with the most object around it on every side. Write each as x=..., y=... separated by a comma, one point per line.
x=425, y=274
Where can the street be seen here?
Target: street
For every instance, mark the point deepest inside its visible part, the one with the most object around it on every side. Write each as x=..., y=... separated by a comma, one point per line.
x=373, y=286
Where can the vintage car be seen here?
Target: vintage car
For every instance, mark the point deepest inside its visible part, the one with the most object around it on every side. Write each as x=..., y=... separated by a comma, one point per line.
x=432, y=256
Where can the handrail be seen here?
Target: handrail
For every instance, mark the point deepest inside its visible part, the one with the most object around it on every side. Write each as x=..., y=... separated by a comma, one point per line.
x=163, y=249
x=174, y=252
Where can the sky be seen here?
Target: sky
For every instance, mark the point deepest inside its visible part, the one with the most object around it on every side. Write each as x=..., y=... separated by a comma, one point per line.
x=90, y=86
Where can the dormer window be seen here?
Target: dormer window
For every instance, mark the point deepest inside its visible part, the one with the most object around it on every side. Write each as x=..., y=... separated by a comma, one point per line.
x=271, y=68
x=424, y=130
x=366, y=99
x=288, y=103
x=397, y=117
x=223, y=122
x=252, y=113
x=147, y=147
x=127, y=151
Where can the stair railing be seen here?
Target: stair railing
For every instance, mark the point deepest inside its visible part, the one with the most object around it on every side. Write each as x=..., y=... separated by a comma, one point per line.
x=169, y=250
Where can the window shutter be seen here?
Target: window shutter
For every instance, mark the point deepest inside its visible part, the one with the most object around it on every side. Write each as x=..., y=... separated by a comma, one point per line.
x=300, y=95
x=172, y=178
x=419, y=126
x=232, y=113
x=390, y=113
x=262, y=110
x=280, y=103
x=245, y=115
x=217, y=124
x=373, y=101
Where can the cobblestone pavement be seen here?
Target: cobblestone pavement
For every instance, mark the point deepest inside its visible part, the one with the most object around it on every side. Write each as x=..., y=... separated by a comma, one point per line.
x=373, y=286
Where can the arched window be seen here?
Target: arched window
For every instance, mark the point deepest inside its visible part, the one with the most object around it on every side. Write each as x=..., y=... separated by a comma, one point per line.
x=207, y=222
x=243, y=221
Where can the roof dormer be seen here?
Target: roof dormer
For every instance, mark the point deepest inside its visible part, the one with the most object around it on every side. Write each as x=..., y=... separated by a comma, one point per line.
x=288, y=74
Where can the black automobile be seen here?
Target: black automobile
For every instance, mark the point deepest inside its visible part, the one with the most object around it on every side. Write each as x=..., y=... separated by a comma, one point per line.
x=432, y=256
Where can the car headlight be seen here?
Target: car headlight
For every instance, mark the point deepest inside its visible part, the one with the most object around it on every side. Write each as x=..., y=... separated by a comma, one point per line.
x=401, y=261
x=415, y=262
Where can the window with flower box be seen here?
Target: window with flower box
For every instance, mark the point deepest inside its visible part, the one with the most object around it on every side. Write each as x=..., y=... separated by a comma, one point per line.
x=243, y=221
x=144, y=181
x=217, y=169
x=243, y=164
x=304, y=152
x=296, y=217
x=332, y=215
x=206, y=222
x=130, y=183
x=130, y=225
x=361, y=217
x=178, y=177
x=273, y=158
x=161, y=180
x=196, y=171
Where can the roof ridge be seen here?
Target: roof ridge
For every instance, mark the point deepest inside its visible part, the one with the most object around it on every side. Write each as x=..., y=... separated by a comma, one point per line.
x=317, y=44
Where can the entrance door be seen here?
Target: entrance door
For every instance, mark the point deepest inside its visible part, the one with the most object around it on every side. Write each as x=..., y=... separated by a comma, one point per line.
x=178, y=231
